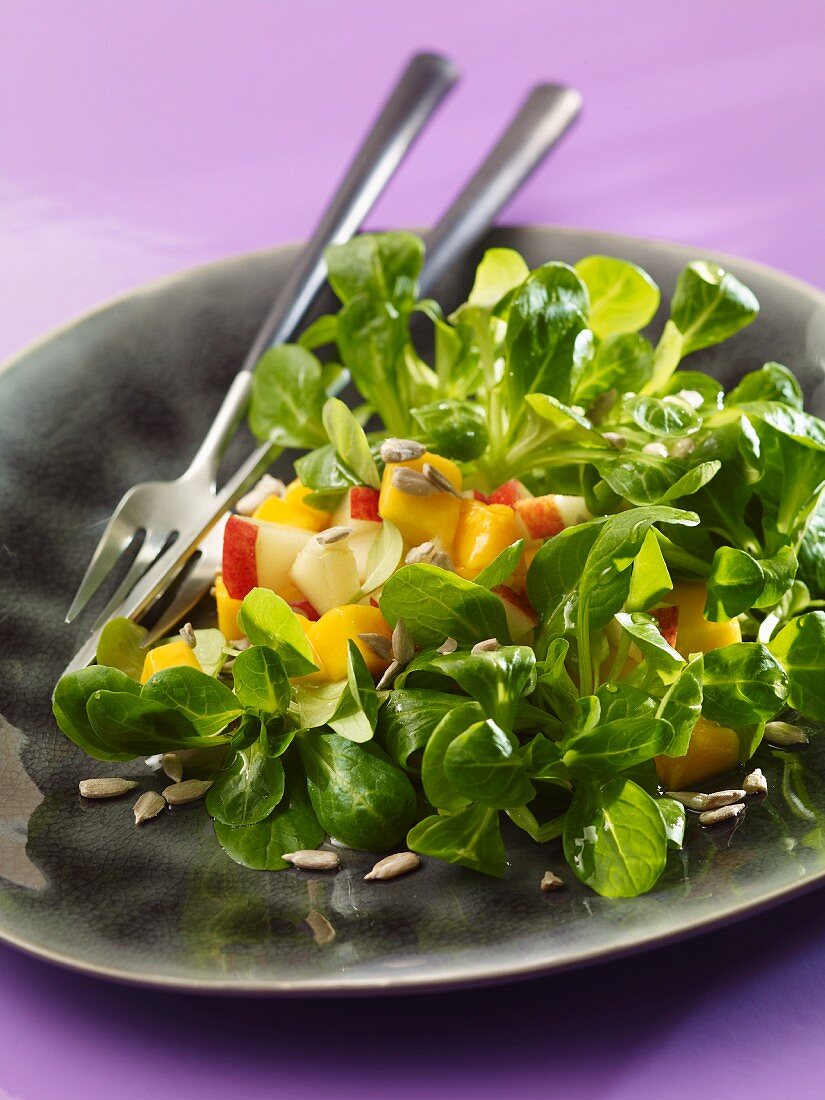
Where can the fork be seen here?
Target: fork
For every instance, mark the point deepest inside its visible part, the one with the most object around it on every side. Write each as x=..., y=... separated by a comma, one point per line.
x=156, y=507
x=543, y=119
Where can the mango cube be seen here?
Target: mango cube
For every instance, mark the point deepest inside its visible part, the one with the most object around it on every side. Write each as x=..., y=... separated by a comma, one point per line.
x=291, y=510
x=713, y=749
x=484, y=530
x=227, y=611
x=420, y=519
x=330, y=634
x=172, y=655
x=694, y=634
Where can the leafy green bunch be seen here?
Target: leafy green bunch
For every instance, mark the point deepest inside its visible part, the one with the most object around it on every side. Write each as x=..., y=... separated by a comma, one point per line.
x=545, y=376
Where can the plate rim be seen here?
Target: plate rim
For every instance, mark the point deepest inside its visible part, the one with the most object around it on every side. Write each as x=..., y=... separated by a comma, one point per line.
x=449, y=979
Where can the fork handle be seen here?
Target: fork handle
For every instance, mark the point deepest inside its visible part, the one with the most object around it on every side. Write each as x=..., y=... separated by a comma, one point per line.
x=420, y=89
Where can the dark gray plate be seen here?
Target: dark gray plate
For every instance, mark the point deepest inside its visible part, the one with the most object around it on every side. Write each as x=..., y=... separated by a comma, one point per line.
x=124, y=395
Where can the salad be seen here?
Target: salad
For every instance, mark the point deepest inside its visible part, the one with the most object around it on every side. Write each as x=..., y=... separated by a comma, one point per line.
x=547, y=572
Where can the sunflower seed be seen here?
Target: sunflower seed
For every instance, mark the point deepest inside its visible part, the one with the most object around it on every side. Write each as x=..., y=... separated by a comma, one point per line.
x=442, y=560
x=401, y=450
x=695, y=800
x=105, y=788
x=489, y=645
x=172, y=766
x=550, y=882
x=420, y=554
x=412, y=482
x=313, y=860
x=723, y=813
x=333, y=534
x=682, y=448
x=784, y=733
x=378, y=644
x=403, y=647
x=449, y=645
x=188, y=634
x=439, y=480
x=322, y=931
x=188, y=791
x=755, y=783
x=617, y=441
x=268, y=486
x=400, y=863
x=148, y=806
x=658, y=449
x=389, y=676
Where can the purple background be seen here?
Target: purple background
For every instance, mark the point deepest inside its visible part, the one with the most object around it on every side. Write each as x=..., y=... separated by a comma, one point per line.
x=139, y=139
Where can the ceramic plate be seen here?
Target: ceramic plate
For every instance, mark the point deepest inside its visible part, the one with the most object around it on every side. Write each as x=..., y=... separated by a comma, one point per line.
x=124, y=395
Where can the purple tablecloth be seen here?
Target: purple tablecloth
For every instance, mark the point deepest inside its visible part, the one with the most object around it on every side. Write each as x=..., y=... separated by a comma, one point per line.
x=139, y=139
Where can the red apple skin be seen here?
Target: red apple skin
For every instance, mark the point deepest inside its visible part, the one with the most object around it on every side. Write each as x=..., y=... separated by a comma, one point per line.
x=482, y=497
x=239, y=568
x=504, y=592
x=305, y=608
x=363, y=503
x=668, y=620
x=541, y=516
x=508, y=493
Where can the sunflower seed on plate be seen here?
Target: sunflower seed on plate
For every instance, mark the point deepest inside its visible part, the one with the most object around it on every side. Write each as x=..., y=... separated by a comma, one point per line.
x=696, y=800
x=148, y=806
x=420, y=554
x=378, y=644
x=105, y=788
x=489, y=645
x=615, y=439
x=439, y=480
x=386, y=681
x=658, y=449
x=785, y=733
x=322, y=931
x=401, y=450
x=755, y=783
x=190, y=790
x=187, y=632
x=722, y=813
x=550, y=882
x=172, y=766
x=412, y=482
x=403, y=647
x=313, y=859
x=399, y=863
x=449, y=645
x=333, y=534
x=682, y=447
x=268, y=486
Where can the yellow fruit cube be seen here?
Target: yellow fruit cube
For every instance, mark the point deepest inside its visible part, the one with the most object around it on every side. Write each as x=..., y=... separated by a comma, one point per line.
x=330, y=634
x=420, y=519
x=713, y=749
x=291, y=510
x=227, y=612
x=484, y=530
x=171, y=655
x=694, y=634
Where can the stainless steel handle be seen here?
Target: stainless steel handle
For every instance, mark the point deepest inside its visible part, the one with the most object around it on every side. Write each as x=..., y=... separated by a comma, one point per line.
x=420, y=89
x=543, y=119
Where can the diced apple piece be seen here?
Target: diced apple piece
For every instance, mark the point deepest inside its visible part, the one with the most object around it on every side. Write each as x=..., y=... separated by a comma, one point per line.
x=422, y=519
x=695, y=634
x=713, y=749
x=172, y=655
x=257, y=554
x=329, y=637
x=361, y=543
x=668, y=620
x=327, y=574
x=521, y=618
x=359, y=504
x=509, y=493
x=483, y=531
x=543, y=517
